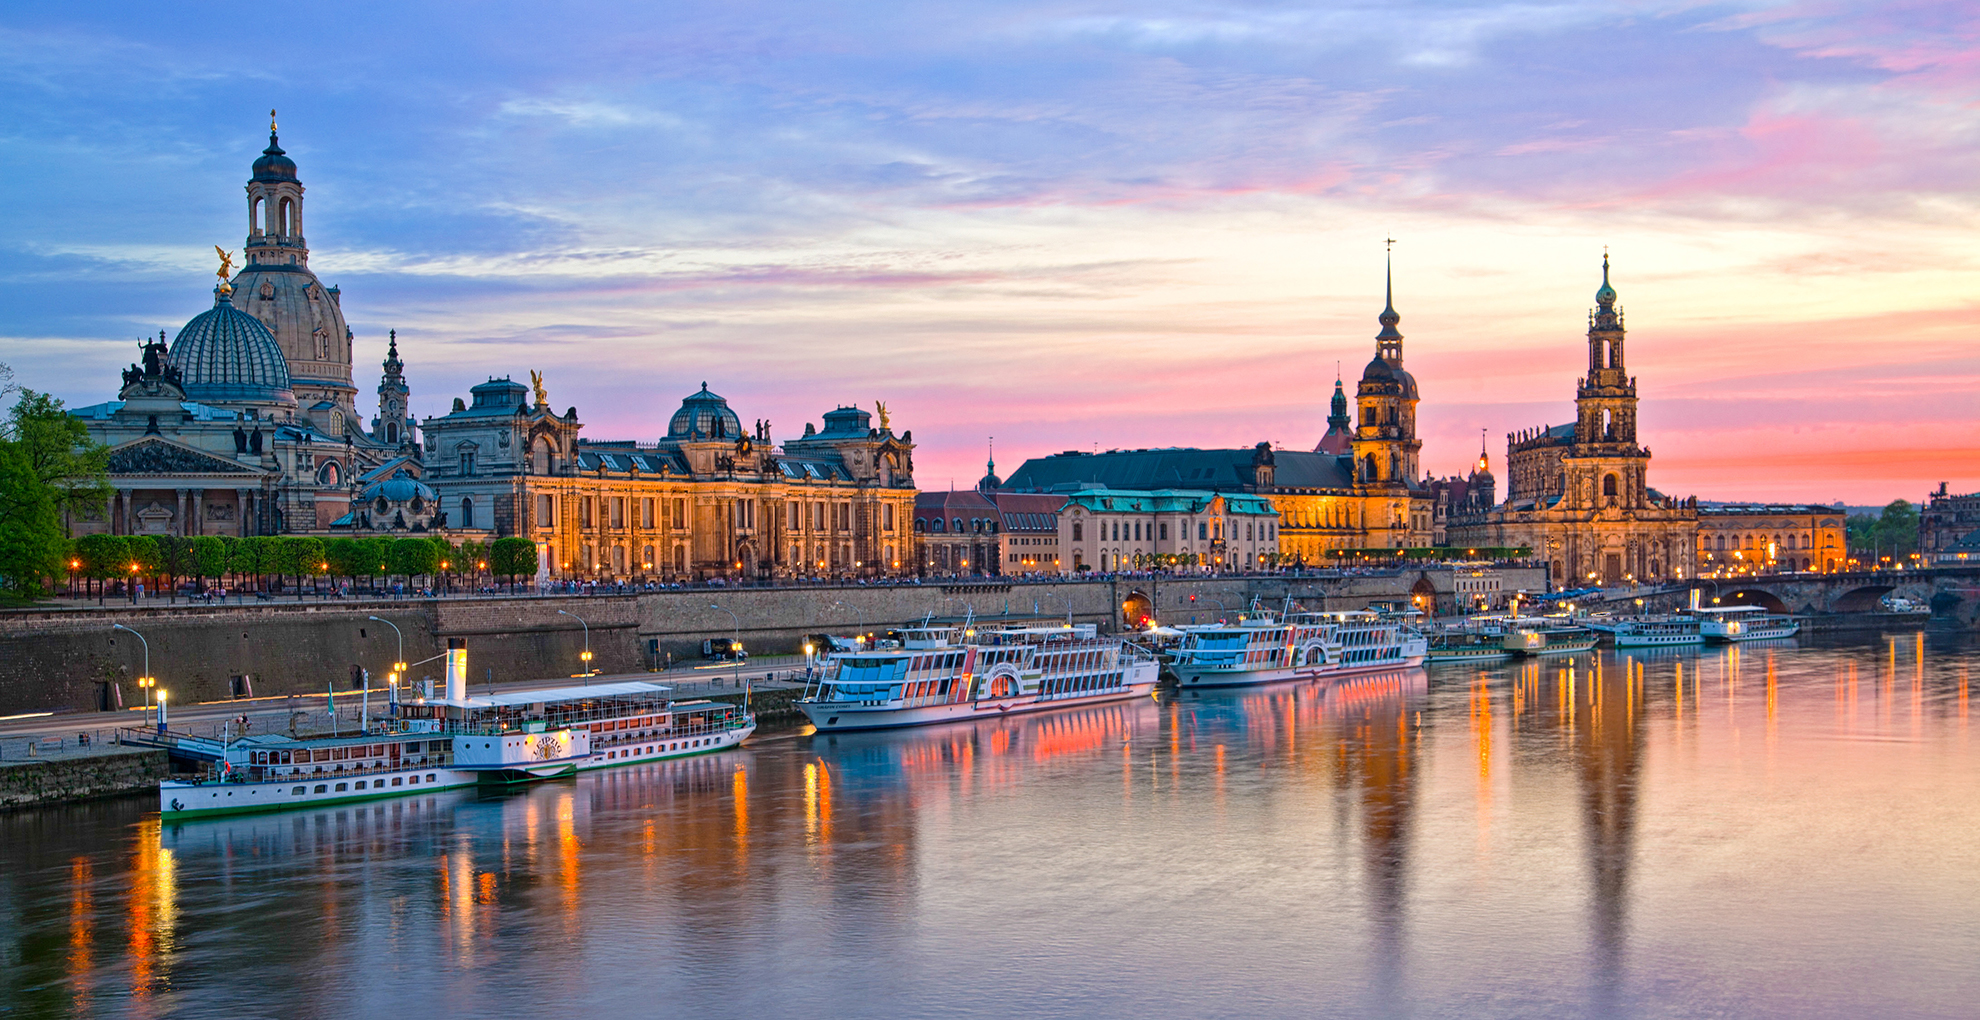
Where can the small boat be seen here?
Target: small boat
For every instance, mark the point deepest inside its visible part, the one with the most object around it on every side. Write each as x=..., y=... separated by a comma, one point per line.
x=1472, y=639
x=1649, y=631
x=1541, y=636
x=940, y=674
x=444, y=743
x=1744, y=623
x=1264, y=647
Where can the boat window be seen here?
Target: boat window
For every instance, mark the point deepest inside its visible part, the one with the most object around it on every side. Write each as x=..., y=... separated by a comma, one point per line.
x=322, y=788
x=297, y=792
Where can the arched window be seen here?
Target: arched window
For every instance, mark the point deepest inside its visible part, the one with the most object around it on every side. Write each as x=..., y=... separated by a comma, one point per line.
x=958, y=526
x=646, y=558
x=1079, y=532
x=539, y=457
x=467, y=512
x=920, y=526
x=1608, y=483
x=392, y=432
x=255, y=212
x=327, y=474
x=1368, y=469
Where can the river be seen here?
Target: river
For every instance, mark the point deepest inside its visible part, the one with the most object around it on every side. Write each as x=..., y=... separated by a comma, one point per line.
x=1780, y=830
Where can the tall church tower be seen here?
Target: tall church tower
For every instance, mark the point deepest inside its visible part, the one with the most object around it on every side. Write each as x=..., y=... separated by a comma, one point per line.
x=1340, y=426
x=1385, y=443
x=394, y=425
x=1605, y=468
x=277, y=287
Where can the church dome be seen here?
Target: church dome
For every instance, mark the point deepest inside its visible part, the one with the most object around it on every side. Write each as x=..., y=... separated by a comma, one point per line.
x=274, y=164
x=704, y=415
x=1382, y=377
x=225, y=355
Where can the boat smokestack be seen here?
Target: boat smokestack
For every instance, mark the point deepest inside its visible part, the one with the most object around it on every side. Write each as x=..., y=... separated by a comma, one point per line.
x=456, y=669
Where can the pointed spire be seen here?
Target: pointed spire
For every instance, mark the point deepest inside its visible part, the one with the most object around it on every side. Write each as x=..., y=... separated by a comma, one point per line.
x=1606, y=296
x=1389, y=319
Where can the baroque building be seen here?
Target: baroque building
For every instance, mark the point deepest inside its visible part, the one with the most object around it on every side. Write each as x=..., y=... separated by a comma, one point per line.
x=246, y=423
x=710, y=498
x=1741, y=538
x=1360, y=488
x=1579, y=495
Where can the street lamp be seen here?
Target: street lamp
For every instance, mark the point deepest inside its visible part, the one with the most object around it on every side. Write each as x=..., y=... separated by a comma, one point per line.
x=735, y=646
x=398, y=664
x=161, y=710
x=586, y=654
x=861, y=616
x=147, y=681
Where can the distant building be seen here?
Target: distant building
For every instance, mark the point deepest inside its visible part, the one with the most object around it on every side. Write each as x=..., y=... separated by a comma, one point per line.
x=1771, y=537
x=1460, y=496
x=1360, y=488
x=711, y=498
x=1579, y=495
x=247, y=422
x=1189, y=529
x=1948, y=526
x=957, y=532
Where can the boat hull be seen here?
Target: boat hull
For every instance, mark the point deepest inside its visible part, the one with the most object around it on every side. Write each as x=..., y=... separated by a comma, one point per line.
x=841, y=716
x=1255, y=677
x=185, y=800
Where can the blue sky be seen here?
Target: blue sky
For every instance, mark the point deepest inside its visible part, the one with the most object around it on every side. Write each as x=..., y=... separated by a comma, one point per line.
x=1062, y=224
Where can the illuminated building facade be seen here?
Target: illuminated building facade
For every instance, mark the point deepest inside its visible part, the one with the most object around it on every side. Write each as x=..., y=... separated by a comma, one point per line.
x=1739, y=538
x=1579, y=495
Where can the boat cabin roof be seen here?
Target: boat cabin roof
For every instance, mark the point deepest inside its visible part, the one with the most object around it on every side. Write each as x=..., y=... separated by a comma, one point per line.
x=1724, y=610
x=553, y=695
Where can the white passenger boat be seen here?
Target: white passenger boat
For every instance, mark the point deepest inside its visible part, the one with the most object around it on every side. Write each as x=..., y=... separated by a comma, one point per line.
x=1743, y=623
x=442, y=743
x=1263, y=647
x=948, y=674
x=1650, y=631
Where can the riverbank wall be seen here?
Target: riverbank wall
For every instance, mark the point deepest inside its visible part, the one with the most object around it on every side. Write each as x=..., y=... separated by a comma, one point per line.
x=26, y=782
x=70, y=659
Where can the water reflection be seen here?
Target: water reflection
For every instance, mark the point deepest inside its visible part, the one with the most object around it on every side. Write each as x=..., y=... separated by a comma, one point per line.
x=1766, y=829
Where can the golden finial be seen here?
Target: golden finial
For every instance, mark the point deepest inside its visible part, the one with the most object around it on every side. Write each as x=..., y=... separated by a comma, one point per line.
x=536, y=381
x=226, y=269
x=271, y=121
x=881, y=406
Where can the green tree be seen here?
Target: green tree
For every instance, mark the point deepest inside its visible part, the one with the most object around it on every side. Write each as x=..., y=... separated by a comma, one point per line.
x=297, y=556
x=252, y=557
x=209, y=554
x=412, y=557
x=100, y=558
x=31, y=532
x=1892, y=533
x=377, y=553
x=144, y=557
x=346, y=557
x=470, y=559
x=512, y=558
x=60, y=453
x=175, y=560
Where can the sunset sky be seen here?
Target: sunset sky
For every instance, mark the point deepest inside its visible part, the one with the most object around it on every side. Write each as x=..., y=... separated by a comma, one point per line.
x=1061, y=224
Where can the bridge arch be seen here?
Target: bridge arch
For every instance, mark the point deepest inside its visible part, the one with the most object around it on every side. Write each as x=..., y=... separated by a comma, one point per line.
x=1754, y=597
x=1137, y=610
x=1867, y=599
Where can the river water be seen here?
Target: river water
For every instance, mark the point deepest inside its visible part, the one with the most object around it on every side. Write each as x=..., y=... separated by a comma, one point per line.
x=1777, y=830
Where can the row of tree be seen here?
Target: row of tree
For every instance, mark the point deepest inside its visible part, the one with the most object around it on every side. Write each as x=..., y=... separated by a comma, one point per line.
x=250, y=562
x=50, y=472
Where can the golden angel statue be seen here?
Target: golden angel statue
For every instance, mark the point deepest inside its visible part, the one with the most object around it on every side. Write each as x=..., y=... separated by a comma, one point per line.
x=226, y=263
x=881, y=406
x=536, y=382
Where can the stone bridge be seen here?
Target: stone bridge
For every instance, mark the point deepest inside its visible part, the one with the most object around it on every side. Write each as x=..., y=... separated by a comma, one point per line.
x=1952, y=592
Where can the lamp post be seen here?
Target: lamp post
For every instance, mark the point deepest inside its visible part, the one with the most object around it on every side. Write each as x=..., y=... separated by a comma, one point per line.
x=161, y=710
x=585, y=656
x=398, y=664
x=145, y=682
x=859, y=637
x=735, y=646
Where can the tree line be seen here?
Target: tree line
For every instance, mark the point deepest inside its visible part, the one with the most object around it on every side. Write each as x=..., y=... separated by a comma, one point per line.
x=52, y=473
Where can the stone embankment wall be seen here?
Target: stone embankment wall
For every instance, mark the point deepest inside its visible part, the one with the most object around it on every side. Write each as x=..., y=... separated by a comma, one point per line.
x=80, y=777
x=63, y=659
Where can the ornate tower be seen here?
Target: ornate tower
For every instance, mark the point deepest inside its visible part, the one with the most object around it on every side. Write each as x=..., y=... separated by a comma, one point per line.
x=1605, y=468
x=1385, y=443
x=1340, y=427
x=394, y=425
x=277, y=287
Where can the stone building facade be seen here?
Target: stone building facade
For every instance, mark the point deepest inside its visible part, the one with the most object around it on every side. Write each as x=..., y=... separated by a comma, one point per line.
x=1948, y=525
x=710, y=498
x=246, y=422
x=1738, y=538
x=1579, y=495
x=1190, y=529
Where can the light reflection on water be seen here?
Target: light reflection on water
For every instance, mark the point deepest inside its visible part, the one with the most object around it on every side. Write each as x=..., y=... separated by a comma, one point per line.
x=1762, y=830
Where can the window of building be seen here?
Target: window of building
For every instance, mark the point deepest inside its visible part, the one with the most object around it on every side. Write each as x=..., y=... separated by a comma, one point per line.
x=679, y=519
x=1077, y=529
x=587, y=510
x=467, y=512
x=887, y=516
x=467, y=463
x=546, y=506
x=646, y=520
x=618, y=505
x=1202, y=531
